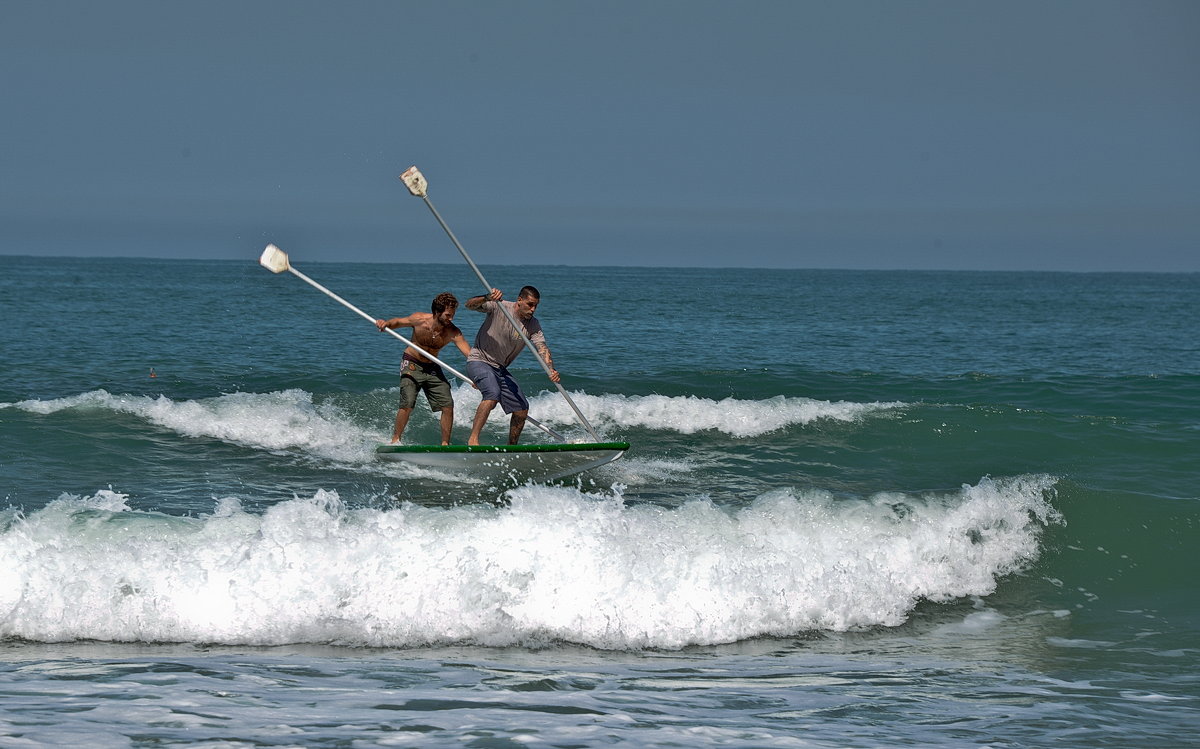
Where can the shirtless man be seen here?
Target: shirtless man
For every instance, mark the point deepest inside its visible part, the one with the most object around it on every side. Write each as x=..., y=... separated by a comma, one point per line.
x=431, y=332
x=496, y=345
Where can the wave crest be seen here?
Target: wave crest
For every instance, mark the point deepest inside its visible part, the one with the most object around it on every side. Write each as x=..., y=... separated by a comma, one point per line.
x=554, y=564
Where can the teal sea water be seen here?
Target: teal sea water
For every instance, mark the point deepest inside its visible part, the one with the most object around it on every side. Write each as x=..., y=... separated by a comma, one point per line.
x=860, y=509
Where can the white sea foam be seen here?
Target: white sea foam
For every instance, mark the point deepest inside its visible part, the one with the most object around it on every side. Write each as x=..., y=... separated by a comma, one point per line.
x=554, y=564
x=643, y=470
x=292, y=420
x=278, y=421
x=978, y=622
x=683, y=414
x=689, y=414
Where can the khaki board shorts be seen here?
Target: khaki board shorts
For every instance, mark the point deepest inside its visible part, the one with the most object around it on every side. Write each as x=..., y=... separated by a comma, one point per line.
x=415, y=377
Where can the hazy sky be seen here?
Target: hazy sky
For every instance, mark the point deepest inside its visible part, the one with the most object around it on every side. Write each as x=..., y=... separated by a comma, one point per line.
x=960, y=135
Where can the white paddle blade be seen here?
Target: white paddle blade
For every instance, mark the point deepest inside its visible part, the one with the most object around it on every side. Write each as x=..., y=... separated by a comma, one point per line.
x=274, y=259
x=415, y=181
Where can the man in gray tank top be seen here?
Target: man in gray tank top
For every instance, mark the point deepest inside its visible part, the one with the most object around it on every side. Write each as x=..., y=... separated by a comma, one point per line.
x=496, y=346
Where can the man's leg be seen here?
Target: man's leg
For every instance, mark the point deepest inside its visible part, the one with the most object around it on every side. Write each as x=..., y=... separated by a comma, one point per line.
x=401, y=422
x=441, y=399
x=481, y=417
x=515, y=425
x=408, y=398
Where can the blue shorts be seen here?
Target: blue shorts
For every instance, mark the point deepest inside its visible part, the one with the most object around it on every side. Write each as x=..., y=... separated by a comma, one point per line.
x=497, y=385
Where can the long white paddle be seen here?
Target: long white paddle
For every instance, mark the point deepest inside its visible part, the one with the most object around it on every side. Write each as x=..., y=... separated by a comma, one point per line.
x=276, y=261
x=416, y=184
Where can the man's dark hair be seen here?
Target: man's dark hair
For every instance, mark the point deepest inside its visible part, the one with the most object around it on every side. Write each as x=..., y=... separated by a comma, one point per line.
x=527, y=291
x=443, y=301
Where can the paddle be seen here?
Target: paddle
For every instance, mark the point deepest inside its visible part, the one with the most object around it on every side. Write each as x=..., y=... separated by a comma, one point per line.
x=416, y=184
x=276, y=261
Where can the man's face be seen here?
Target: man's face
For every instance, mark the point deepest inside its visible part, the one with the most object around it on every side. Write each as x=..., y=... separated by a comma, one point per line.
x=526, y=306
x=447, y=316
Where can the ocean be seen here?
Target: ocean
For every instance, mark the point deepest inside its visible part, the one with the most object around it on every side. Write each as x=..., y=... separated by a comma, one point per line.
x=860, y=509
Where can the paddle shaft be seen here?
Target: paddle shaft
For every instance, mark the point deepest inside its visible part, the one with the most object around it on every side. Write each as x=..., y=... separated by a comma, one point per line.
x=519, y=328
x=422, y=351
